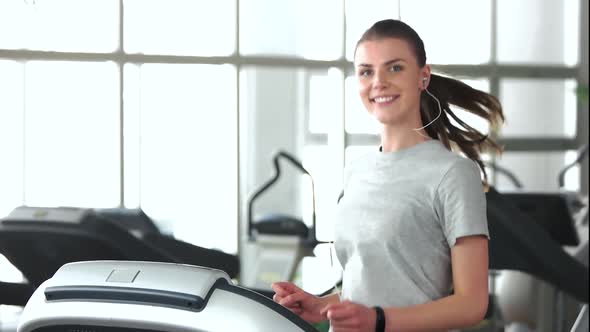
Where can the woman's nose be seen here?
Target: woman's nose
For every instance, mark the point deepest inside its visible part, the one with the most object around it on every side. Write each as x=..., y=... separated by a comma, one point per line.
x=379, y=79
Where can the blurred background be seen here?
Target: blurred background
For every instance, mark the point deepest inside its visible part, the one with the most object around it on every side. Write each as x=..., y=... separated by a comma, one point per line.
x=177, y=107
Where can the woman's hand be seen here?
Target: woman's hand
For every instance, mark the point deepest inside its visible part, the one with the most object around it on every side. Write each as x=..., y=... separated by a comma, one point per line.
x=350, y=317
x=308, y=307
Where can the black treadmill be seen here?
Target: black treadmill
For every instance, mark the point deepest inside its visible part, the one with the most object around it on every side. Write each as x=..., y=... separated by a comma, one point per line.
x=527, y=232
x=142, y=226
x=38, y=241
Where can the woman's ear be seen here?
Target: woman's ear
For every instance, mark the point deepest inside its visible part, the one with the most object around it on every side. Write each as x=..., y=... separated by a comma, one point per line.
x=425, y=73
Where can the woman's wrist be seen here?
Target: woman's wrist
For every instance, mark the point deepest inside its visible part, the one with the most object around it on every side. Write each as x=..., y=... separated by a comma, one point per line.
x=331, y=298
x=379, y=319
x=323, y=301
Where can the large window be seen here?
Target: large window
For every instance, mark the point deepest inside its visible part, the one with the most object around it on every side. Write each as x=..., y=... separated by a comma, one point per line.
x=181, y=154
x=291, y=28
x=180, y=27
x=60, y=25
x=11, y=135
x=118, y=103
x=178, y=106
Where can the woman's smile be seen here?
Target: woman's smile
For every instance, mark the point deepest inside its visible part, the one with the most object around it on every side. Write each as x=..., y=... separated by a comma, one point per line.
x=384, y=100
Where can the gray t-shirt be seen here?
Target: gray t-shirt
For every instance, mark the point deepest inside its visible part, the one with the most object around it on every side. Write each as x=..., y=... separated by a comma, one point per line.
x=399, y=215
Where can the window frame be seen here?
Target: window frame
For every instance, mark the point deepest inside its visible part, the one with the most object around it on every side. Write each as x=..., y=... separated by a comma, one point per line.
x=493, y=71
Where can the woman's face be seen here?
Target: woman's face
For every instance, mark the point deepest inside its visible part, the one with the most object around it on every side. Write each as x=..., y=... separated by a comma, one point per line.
x=390, y=80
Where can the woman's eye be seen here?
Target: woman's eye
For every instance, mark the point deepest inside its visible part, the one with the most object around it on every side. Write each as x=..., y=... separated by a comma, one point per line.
x=395, y=68
x=364, y=73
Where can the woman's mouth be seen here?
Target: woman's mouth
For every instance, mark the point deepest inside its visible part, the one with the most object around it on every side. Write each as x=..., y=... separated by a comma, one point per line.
x=383, y=99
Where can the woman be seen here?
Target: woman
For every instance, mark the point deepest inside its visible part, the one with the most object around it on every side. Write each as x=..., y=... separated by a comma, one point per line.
x=411, y=229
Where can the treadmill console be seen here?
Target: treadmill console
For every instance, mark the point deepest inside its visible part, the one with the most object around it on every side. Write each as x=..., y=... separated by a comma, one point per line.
x=39, y=214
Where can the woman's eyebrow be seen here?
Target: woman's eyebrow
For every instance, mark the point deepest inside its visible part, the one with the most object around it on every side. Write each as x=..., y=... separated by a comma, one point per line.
x=390, y=62
x=386, y=63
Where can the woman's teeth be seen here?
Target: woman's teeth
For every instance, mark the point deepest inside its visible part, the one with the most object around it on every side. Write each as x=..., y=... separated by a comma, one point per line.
x=383, y=99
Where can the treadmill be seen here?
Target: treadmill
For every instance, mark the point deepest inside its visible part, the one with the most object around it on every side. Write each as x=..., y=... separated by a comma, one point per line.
x=127, y=296
x=143, y=227
x=529, y=229
x=527, y=232
x=38, y=241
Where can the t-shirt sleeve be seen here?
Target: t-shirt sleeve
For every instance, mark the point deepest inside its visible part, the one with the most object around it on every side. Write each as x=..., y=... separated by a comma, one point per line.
x=461, y=202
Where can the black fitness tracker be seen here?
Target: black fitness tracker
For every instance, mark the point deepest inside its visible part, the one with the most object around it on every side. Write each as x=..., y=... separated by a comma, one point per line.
x=380, y=319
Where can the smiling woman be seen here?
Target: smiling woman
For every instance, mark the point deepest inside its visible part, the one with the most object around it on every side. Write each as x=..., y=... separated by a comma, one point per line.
x=387, y=74
x=133, y=78
x=411, y=222
x=395, y=82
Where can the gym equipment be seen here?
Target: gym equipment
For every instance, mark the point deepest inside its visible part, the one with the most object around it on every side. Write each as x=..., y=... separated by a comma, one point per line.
x=582, y=153
x=581, y=323
x=143, y=227
x=15, y=293
x=276, y=243
x=552, y=211
x=528, y=231
x=507, y=173
x=134, y=220
x=115, y=296
x=38, y=241
x=518, y=242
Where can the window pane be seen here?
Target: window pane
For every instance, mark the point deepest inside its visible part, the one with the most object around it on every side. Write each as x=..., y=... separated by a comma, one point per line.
x=9, y=273
x=360, y=17
x=184, y=27
x=313, y=29
x=60, y=25
x=11, y=136
x=461, y=36
x=272, y=101
x=187, y=151
x=325, y=100
x=132, y=129
x=272, y=104
x=545, y=108
x=322, y=163
x=538, y=171
x=538, y=31
x=72, y=134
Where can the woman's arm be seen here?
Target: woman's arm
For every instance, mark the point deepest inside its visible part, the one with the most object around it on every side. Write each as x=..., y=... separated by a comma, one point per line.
x=466, y=307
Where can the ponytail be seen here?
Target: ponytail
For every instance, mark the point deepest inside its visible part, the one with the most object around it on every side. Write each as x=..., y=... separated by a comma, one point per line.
x=461, y=137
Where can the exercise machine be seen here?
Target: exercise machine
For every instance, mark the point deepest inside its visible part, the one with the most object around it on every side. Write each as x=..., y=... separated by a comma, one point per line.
x=539, y=255
x=143, y=227
x=117, y=296
x=38, y=241
x=276, y=243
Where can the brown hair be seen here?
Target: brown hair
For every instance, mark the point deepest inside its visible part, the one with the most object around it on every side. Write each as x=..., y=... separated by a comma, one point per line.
x=465, y=138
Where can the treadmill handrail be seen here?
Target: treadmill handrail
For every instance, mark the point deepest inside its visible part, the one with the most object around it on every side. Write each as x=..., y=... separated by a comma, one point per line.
x=272, y=180
x=582, y=153
x=126, y=294
x=506, y=172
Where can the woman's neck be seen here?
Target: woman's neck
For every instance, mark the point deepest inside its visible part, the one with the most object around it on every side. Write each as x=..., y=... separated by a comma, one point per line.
x=394, y=139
